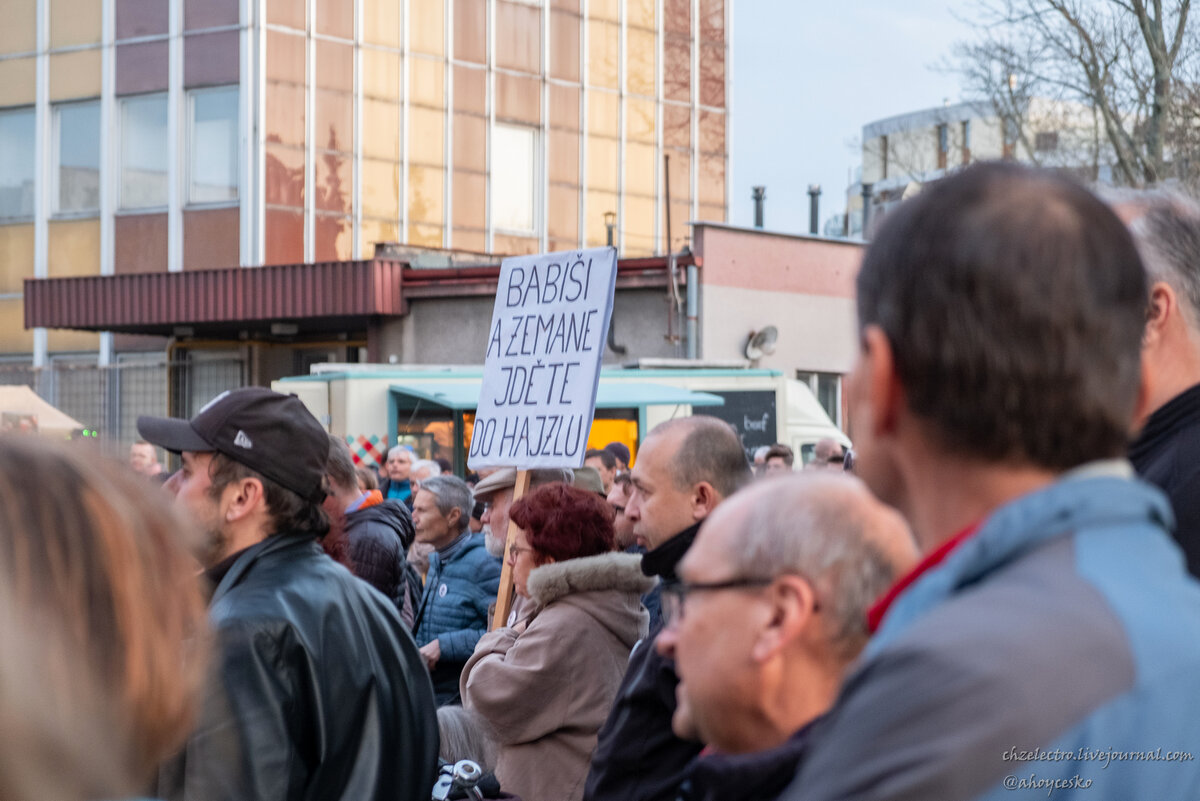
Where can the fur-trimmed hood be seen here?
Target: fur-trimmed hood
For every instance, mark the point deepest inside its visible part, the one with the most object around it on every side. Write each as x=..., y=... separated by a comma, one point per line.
x=608, y=571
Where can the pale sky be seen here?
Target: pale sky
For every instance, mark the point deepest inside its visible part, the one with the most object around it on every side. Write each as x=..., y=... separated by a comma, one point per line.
x=808, y=74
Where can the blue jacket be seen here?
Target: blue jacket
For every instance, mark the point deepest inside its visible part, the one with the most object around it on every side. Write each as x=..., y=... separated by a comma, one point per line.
x=454, y=608
x=1055, y=653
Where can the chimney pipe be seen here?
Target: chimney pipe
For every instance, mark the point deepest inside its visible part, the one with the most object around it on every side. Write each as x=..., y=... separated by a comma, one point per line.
x=759, y=194
x=814, y=202
x=866, y=199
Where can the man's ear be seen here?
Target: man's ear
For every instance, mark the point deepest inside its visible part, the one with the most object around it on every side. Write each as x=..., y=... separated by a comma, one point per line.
x=244, y=498
x=793, y=606
x=882, y=384
x=1161, y=307
x=704, y=499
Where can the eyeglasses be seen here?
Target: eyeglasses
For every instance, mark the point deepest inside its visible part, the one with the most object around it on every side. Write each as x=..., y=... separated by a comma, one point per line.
x=515, y=551
x=620, y=510
x=675, y=593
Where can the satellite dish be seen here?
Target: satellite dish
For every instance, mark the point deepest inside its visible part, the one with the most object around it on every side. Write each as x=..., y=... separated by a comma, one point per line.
x=761, y=343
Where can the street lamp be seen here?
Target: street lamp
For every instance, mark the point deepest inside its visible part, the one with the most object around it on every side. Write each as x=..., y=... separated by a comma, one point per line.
x=610, y=222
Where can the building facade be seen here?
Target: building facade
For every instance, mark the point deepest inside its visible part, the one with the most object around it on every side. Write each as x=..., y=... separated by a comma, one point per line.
x=145, y=136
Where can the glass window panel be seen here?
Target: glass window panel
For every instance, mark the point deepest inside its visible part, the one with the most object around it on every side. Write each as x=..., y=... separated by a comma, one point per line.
x=286, y=112
x=144, y=151
x=427, y=19
x=677, y=126
x=375, y=231
x=640, y=14
x=637, y=229
x=564, y=45
x=213, y=137
x=712, y=213
x=677, y=16
x=518, y=98
x=564, y=107
x=381, y=188
x=712, y=75
x=333, y=238
x=335, y=66
x=201, y=14
x=470, y=143
x=426, y=136
x=564, y=213
x=470, y=192
x=602, y=163
x=602, y=114
x=712, y=180
x=285, y=57
x=640, y=168
x=712, y=132
x=284, y=176
x=518, y=36
x=77, y=157
x=335, y=18
x=639, y=120
x=284, y=236
x=291, y=13
x=681, y=177
x=381, y=74
x=515, y=245
x=468, y=239
x=335, y=183
x=470, y=90
x=641, y=48
x=427, y=78
x=381, y=22
x=712, y=20
x=677, y=69
x=605, y=9
x=564, y=157
x=426, y=198
x=333, y=126
x=603, y=49
x=514, y=178
x=425, y=234
x=381, y=129
x=16, y=163
x=18, y=34
x=470, y=30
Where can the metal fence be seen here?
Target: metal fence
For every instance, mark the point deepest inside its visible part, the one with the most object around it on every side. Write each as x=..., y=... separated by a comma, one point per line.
x=108, y=399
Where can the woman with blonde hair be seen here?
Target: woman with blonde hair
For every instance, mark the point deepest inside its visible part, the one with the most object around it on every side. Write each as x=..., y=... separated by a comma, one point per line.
x=103, y=623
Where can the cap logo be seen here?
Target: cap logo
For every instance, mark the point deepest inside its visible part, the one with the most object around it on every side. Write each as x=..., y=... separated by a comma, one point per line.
x=242, y=441
x=212, y=402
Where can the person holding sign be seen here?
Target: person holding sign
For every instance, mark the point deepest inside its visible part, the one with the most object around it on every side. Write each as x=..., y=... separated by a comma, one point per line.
x=546, y=684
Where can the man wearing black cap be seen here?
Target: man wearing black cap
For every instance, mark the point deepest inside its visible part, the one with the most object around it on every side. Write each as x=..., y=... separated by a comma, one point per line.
x=318, y=690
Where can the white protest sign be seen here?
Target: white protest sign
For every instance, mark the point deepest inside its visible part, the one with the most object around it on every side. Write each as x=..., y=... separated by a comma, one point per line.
x=548, y=333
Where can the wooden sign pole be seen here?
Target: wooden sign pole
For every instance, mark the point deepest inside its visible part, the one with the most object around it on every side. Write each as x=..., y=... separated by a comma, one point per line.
x=504, y=597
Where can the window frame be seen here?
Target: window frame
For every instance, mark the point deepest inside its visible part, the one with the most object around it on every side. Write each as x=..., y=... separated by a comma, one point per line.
x=56, y=210
x=190, y=140
x=535, y=180
x=121, y=208
x=23, y=219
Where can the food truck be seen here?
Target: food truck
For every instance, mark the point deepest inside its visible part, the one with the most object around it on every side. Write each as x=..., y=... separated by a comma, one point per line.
x=432, y=408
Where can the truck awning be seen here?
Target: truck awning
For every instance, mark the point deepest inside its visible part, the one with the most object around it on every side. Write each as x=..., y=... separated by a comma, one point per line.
x=464, y=395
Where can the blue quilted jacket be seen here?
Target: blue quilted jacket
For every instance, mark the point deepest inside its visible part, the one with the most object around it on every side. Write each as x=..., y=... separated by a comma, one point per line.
x=454, y=608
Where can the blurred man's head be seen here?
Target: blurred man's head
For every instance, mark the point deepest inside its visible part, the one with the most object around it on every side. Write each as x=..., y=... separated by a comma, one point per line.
x=1001, y=313
x=1166, y=230
x=605, y=464
x=423, y=469
x=779, y=459
x=618, y=497
x=685, y=468
x=772, y=604
x=621, y=451
x=143, y=458
x=827, y=454
x=399, y=463
x=495, y=491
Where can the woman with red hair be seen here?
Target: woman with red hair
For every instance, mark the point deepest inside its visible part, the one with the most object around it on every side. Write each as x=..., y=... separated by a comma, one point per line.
x=546, y=684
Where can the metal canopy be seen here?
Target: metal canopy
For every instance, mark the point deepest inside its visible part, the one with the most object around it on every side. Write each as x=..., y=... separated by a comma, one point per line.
x=464, y=395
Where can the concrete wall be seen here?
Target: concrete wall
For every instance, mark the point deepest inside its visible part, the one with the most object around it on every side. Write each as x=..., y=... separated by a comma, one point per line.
x=804, y=286
x=455, y=330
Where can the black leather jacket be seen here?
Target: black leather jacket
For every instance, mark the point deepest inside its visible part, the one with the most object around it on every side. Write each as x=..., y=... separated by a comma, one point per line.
x=318, y=690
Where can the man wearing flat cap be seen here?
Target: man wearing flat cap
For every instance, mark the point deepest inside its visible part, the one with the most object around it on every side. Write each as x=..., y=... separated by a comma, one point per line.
x=317, y=689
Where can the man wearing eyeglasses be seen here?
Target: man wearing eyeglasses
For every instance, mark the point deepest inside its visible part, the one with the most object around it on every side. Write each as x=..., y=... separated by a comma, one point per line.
x=685, y=469
x=769, y=612
x=1051, y=623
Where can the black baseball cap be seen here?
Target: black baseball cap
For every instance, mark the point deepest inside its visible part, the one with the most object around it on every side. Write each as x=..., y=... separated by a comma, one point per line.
x=271, y=433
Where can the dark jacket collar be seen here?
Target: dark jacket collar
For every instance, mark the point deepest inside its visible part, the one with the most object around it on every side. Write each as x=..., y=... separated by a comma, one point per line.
x=246, y=558
x=1180, y=412
x=663, y=559
x=759, y=775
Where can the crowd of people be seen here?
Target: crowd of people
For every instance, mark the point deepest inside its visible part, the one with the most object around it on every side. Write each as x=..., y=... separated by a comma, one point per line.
x=989, y=597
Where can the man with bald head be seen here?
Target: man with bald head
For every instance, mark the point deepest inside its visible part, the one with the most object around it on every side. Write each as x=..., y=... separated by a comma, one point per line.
x=769, y=612
x=685, y=469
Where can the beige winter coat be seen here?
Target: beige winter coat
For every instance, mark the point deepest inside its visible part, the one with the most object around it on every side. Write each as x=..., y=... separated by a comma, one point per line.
x=548, y=690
